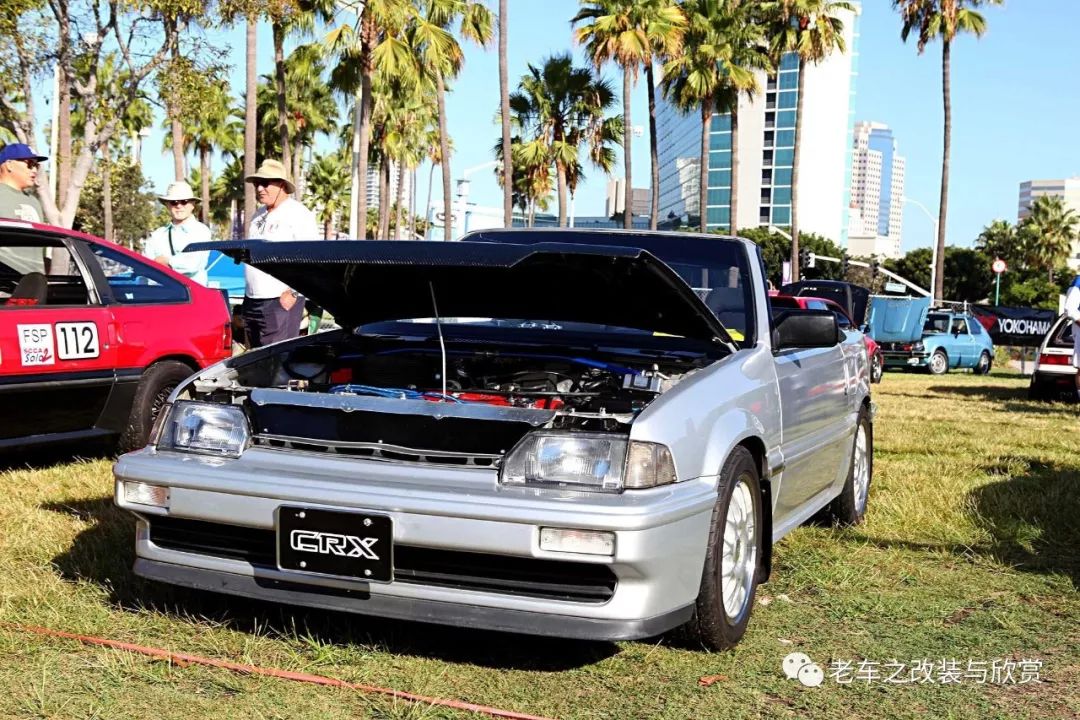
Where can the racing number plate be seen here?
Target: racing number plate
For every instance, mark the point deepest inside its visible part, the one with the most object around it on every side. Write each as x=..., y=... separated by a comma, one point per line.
x=335, y=543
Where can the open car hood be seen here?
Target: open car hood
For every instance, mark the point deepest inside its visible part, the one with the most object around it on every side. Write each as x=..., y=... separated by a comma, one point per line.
x=374, y=280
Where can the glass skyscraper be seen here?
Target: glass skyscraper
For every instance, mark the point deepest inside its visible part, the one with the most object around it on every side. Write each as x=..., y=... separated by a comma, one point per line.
x=766, y=152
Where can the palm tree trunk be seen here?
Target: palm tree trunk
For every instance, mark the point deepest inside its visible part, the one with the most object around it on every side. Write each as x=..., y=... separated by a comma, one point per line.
x=106, y=194
x=175, y=127
x=795, y=173
x=399, y=218
x=733, y=203
x=250, y=128
x=654, y=199
x=279, y=87
x=356, y=228
x=444, y=149
x=628, y=133
x=328, y=223
x=504, y=112
x=943, y=206
x=384, y=199
x=703, y=183
x=427, y=208
x=412, y=205
x=560, y=171
x=204, y=183
x=367, y=42
x=232, y=219
x=297, y=168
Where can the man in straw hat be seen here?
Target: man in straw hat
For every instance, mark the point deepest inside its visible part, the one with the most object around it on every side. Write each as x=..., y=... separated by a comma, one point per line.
x=271, y=310
x=166, y=244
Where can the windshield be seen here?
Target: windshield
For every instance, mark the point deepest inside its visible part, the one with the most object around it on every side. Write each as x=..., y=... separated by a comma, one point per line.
x=936, y=323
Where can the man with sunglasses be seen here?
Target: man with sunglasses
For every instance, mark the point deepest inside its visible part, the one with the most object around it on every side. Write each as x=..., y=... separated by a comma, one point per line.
x=166, y=244
x=271, y=309
x=18, y=176
x=18, y=200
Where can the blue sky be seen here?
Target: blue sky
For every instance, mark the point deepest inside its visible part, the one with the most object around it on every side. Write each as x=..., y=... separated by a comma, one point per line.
x=1015, y=96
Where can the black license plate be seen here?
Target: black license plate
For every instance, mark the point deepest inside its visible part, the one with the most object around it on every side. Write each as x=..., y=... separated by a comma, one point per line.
x=338, y=543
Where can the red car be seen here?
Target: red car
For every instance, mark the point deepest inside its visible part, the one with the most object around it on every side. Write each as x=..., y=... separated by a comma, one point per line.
x=94, y=337
x=873, y=350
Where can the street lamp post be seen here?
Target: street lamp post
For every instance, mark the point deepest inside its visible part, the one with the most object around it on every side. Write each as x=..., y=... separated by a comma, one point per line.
x=933, y=260
x=463, y=193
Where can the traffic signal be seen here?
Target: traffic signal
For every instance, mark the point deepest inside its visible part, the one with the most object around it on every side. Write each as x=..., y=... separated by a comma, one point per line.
x=845, y=264
x=804, y=258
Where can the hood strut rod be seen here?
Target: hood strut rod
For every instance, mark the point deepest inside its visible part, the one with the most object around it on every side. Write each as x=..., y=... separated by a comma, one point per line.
x=442, y=345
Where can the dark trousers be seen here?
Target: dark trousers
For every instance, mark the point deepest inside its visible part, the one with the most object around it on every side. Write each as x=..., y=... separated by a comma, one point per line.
x=265, y=321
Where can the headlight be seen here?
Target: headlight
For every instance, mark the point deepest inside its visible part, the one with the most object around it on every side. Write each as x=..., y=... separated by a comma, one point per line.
x=205, y=428
x=587, y=461
x=918, y=346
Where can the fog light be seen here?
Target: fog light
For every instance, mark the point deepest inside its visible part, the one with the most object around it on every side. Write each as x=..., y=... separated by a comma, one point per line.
x=585, y=542
x=143, y=494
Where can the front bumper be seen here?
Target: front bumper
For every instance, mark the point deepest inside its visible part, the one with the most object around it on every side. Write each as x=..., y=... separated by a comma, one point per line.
x=660, y=540
x=905, y=359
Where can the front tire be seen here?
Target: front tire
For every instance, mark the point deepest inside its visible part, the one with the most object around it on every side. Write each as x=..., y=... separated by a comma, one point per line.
x=983, y=366
x=157, y=383
x=850, y=507
x=730, y=576
x=939, y=363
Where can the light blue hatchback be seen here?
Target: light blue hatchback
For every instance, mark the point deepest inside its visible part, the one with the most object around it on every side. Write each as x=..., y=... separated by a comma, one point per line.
x=953, y=340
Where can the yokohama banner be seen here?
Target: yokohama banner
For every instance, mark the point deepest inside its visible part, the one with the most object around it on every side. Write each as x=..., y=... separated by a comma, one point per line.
x=1024, y=327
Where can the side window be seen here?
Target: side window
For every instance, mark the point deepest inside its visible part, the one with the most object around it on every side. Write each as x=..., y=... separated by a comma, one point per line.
x=137, y=283
x=976, y=328
x=37, y=272
x=959, y=326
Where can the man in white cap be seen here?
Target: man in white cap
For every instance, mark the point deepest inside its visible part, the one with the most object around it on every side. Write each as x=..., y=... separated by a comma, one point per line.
x=271, y=309
x=166, y=244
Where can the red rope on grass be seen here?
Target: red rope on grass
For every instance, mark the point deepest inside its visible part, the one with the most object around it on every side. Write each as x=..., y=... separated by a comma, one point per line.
x=182, y=658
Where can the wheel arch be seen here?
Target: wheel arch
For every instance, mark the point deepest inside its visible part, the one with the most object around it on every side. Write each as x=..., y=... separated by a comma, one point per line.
x=756, y=447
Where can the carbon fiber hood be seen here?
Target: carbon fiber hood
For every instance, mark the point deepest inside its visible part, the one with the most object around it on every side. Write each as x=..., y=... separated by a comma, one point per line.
x=368, y=281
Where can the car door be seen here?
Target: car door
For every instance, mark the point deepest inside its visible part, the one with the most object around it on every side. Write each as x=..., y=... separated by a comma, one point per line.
x=57, y=340
x=814, y=399
x=962, y=345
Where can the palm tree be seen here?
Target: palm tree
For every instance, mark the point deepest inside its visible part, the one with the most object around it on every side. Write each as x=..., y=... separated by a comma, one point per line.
x=998, y=240
x=250, y=123
x=360, y=47
x=628, y=32
x=310, y=104
x=721, y=51
x=812, y=30
x=504, y=117
x=944, y=19
x=560, y=109
x=1053, y=228
x=220, y=129
x=441, y=58
x=329, y=173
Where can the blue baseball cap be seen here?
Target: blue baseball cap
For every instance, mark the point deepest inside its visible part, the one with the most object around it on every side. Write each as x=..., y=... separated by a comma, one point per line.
x=19, y=151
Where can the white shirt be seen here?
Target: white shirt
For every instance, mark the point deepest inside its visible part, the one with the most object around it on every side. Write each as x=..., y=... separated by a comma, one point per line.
x=288, y=221
x=191, y=264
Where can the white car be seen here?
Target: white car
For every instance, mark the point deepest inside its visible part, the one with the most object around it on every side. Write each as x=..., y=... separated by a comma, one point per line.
x=591, y=435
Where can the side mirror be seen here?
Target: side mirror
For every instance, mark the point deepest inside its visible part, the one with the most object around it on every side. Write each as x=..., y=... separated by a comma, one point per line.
x=805, y=329
x=865, y=328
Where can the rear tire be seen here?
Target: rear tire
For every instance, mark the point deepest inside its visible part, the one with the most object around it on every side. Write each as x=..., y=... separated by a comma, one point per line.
x=732, y=560
x=983, y=366
x=939, y=363
x=157, y=383
x=850, y=507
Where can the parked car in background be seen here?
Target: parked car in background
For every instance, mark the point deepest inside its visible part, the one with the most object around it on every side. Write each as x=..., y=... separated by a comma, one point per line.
x=580, y=434
x=94, y=337
x=1054, y=375
x=950, y=340
x=873, y=350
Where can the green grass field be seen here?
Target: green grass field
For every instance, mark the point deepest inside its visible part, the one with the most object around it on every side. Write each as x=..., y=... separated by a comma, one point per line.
x=969, y=552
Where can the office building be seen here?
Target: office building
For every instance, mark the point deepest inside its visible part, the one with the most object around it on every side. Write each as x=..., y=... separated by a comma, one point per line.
x=1068, y=189
x=616, y=198
x=766, y=151
x=876, y=213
